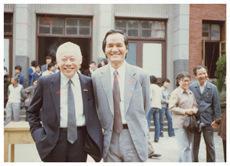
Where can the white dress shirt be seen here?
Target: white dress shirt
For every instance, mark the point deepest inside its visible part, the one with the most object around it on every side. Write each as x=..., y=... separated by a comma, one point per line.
x=121, y=81
x=202, y=87
x=76, y=88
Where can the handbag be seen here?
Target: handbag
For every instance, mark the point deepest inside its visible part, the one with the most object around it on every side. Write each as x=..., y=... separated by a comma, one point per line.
x=192, y=124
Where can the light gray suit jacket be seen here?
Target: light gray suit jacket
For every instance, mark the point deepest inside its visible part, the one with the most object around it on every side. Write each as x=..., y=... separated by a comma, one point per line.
x=137, y=105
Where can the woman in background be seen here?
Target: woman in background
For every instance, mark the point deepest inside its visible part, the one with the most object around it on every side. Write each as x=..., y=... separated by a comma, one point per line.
x=182, y=103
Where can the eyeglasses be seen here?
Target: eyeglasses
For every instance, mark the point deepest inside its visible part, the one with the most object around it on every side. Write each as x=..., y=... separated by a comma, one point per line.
x=186, y=81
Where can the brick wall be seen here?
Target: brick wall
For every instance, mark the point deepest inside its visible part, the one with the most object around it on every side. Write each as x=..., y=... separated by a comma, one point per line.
x=199, y=12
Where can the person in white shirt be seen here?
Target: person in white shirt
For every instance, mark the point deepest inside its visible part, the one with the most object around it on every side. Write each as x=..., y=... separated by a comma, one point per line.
x=122, y=95
x=156, y=96
x=69, y=128
x=50, y=70
x=14, y=99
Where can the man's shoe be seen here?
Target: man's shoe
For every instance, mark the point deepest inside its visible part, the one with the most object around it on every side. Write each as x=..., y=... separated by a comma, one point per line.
x=155, y=141
x=172, y=135
x=155, y=155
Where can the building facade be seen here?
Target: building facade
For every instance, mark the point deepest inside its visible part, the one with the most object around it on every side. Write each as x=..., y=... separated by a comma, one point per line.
x=161, y=36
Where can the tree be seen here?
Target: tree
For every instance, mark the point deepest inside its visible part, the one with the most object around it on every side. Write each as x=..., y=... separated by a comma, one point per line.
x=220, y=73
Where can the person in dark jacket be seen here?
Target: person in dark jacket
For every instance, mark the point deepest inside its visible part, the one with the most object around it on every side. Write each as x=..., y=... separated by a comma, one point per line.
x=221, y=124
x=31, y=71
x=21, y=78
x=37, y=74
x=209, y=110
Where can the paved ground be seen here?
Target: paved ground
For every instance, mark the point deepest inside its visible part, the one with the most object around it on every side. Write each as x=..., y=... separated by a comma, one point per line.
x=167, y=147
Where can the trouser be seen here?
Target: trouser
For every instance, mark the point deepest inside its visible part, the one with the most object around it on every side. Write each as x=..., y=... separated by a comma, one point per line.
x=209, y=142
x=67, y=152
x=154, y=112
x=165, y=112
x=184, y=140
x=12, y=107
x=26, y=107
x=121, y=148
x=150, y=147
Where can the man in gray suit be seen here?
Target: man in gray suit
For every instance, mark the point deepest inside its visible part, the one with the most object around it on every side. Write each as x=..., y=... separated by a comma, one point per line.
x=122, y=93
x=209, y=109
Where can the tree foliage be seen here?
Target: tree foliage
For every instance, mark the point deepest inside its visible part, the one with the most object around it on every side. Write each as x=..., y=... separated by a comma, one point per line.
x=220, y=73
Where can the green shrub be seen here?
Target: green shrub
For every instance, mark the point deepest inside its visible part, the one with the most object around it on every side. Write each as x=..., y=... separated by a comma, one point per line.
x=220, y=73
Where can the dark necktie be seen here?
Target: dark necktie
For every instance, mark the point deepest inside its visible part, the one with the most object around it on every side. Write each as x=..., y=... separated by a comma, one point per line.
x=116, y=101
x=71, y=124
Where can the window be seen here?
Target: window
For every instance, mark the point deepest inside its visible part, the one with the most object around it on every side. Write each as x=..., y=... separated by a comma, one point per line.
x=153, y=29
x=76, y=26
x=210, y=31
x=143, y=29
x=8, y=23
x=64, y=26
x=147, y=48
x=130, y=27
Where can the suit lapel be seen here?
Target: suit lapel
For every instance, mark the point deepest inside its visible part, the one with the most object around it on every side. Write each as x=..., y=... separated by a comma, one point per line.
x=85, y=94
x=205, y=89
x=105, y=79
x=130, y=83
x=198, y=88
x=55, y=91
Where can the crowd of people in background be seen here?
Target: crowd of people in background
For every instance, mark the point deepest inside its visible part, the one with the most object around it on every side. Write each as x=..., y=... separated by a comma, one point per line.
x=19, y=97
x=199, y=98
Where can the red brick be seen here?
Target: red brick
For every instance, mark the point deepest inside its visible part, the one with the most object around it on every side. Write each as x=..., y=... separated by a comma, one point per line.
x=198, y=13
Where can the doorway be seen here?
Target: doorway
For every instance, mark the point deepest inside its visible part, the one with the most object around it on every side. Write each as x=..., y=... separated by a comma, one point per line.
x=211, y=57
x=49, y=45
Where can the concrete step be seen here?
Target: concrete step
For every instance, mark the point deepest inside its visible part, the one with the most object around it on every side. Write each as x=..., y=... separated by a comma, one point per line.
x=152, y=127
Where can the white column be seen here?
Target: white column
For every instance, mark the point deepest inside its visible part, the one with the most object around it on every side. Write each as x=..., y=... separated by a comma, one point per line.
x=105, y=23
x=181, y=39
x=21, y=37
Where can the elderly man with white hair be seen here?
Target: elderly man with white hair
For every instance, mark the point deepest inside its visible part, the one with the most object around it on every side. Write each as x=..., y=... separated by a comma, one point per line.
x=69, y=128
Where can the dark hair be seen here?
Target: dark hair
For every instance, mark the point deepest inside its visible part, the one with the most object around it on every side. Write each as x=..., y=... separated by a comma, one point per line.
x=113, y=31
x=180, y=76
x=199, y=67
x=35, y=79
x=48, y=57
x=153, y=79
x=18, y=67
x=50, y=65
x=34, y=63
x=92, y=62
x=165, y=80
x=99, y=65
x=15, y=78
x=54, y=62
x=38, y=66
x=105, y=61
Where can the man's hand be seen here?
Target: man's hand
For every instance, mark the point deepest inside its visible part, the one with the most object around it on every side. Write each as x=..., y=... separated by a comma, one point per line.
x=26, y=101
x=215, y=125
x=190, y=111
x=167, y=101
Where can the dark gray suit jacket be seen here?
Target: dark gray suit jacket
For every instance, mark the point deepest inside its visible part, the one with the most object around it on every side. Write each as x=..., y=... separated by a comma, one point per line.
x=47, y=97
x=208, y=102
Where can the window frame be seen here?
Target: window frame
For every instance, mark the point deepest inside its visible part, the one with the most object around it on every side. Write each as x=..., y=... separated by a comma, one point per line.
x=64, y=27
x=140, y=28
x=210, y=32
